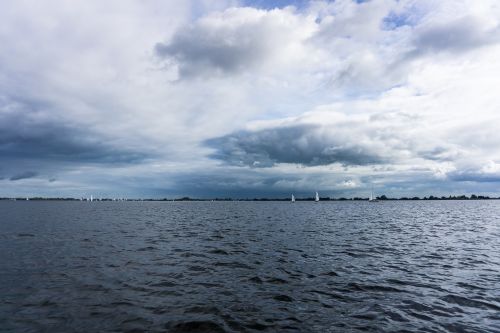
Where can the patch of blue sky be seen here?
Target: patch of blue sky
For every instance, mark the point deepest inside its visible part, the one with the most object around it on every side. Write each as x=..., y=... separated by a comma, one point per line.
x=271, y=4
x=409, y=17
x=394, y=21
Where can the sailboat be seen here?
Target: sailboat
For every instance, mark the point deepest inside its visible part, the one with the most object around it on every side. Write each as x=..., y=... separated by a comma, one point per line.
x=316, y=199
x=293, y=198
x=372, y=198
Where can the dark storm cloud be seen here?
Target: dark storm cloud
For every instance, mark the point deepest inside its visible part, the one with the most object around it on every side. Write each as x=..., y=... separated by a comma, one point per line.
x=23, y=175
x=63, y=144
x=460, y=35
x=236, y=183
x=299, y=144
x=474, y=176
x=229, y=184
x=27, y=134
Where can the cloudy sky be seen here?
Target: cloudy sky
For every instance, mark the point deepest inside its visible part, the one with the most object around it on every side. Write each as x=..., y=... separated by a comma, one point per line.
x=249, y=98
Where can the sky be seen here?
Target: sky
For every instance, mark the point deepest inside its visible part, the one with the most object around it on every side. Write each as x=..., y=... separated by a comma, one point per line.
x=251, y=98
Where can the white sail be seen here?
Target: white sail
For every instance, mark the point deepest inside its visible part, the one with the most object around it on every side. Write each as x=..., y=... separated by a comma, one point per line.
x=372, y=197
x=293, y=198
x=91, y=198
x=317, y=197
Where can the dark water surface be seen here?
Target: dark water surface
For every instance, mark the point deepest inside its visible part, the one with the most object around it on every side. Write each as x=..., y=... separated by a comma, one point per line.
x=250, y=266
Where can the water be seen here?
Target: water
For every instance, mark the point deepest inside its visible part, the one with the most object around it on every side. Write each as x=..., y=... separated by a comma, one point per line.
x=250, y=266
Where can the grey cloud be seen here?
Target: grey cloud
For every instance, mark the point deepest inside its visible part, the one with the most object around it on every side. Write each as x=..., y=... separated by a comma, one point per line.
x=23, y=175
x=196, y=53
x=440, y=153
x=238, y=41
x=457, y=36
x=26, y=133
x=60, y=145
x=229, y=184
x=300, y=144
x=474, y=176
x=249, y=183
x=350, y=141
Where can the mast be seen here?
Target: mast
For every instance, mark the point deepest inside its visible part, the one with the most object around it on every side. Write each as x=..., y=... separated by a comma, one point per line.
x=372, y=197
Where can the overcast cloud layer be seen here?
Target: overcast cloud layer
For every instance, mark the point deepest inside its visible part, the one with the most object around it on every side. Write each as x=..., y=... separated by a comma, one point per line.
x=249, y=98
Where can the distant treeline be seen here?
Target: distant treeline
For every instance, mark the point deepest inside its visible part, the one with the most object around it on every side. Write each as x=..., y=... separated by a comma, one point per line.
x=382, y=198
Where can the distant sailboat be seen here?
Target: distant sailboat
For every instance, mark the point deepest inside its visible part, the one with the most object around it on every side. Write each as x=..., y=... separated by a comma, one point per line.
x=317, y=197
x=372, y=198
x=293, y=198
x=91, y=198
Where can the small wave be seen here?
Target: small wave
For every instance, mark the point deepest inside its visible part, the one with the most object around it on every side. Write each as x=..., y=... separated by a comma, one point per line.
x=357, y=255
x=259, y=326
x=121, y=303
x=147, y=248
x=197, y=268
x=275, y=280
x=463, y=301
x=196, y=326
x=332, y=295
x=136, y=320
x=218, y=251
x=256, y=279
x=195, y=255
x=283, y=298
x=365, y=316
x=419, y=315
x=203, y=310
x=164, y=284
x=233, y=264
x=469, y=286
x=377, y=288
x=414, y=284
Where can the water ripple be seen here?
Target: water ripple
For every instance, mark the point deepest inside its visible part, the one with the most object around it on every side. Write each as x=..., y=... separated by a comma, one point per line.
x=250, y=266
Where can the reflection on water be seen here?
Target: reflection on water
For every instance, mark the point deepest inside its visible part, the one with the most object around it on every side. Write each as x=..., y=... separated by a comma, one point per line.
x=250, y=266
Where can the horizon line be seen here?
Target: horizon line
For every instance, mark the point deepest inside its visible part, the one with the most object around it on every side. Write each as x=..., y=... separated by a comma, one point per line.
x=188, y=198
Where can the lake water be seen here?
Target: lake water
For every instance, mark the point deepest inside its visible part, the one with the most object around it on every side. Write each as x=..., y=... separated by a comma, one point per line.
x=430, y=266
